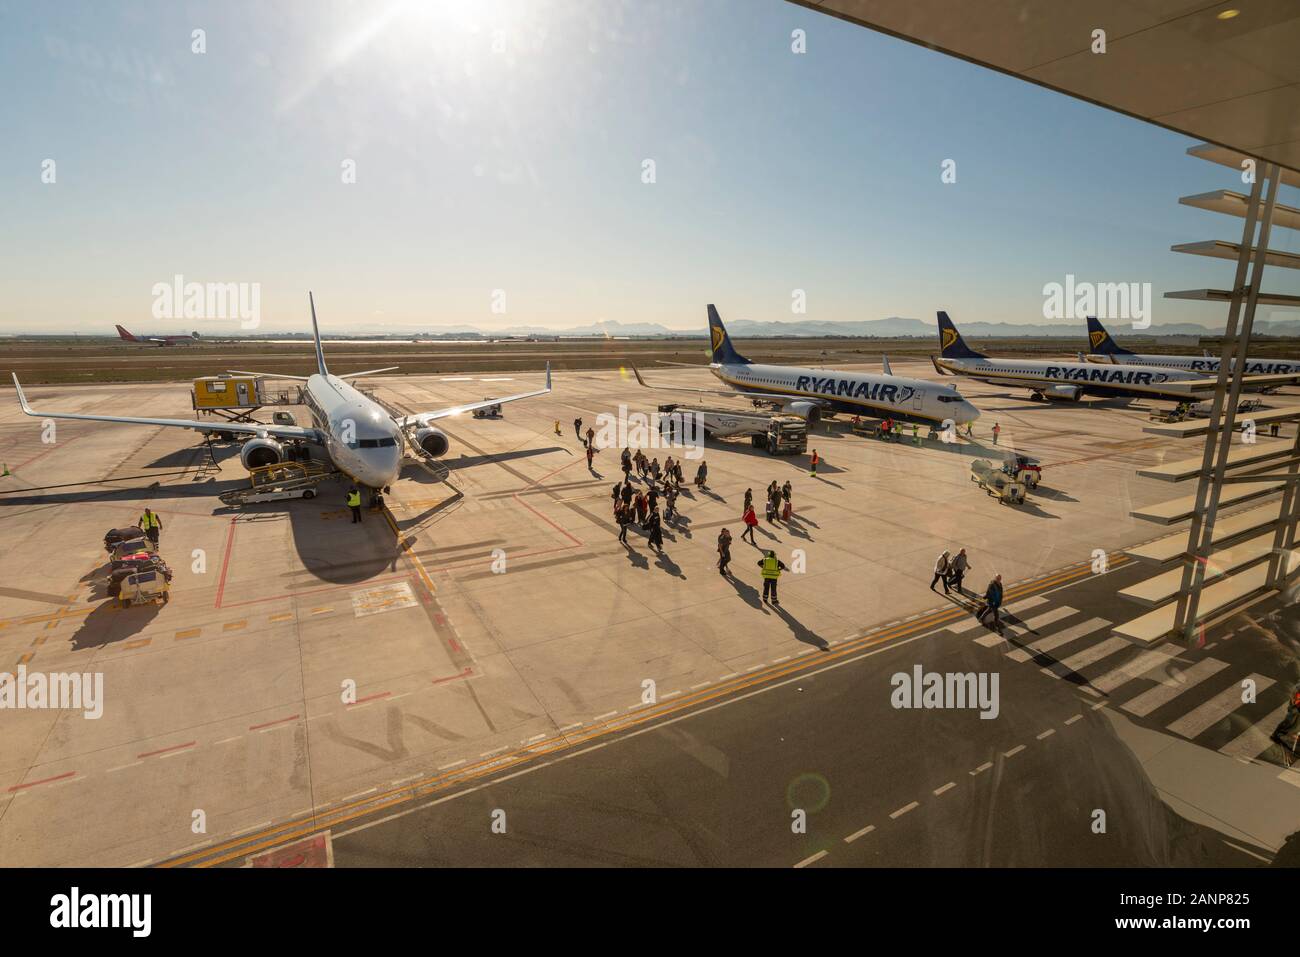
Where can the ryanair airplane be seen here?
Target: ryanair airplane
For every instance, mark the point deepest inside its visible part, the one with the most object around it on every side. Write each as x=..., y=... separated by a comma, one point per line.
x=810, y=393
x=1066, y=381
x=1107, y=350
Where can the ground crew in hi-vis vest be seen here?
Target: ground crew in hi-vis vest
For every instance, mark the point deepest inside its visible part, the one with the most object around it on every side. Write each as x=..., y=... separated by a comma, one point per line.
x=151, y=525
x=772, y=569
x=354, y=503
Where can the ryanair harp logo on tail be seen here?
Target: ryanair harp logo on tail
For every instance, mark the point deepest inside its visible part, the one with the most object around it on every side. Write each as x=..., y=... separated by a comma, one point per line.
x=949, y=337
x=718, y=337
x=1098, y=336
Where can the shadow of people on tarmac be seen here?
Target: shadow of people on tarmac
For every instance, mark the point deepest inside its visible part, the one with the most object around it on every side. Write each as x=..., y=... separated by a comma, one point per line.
x=748, y=593
x=801, y=633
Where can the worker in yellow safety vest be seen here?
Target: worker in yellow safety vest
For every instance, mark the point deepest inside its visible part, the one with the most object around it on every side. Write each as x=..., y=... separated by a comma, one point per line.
x=354, y=503
x=772, y=569
x=150, y=524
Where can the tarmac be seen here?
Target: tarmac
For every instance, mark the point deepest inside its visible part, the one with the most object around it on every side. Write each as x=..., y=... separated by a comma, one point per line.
x=305, y=665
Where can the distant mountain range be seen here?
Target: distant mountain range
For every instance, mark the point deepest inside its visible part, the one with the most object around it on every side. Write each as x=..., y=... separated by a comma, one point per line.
x=893, y=327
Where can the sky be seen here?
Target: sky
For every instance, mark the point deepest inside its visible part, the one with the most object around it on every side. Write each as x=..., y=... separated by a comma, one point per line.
x=499, y=151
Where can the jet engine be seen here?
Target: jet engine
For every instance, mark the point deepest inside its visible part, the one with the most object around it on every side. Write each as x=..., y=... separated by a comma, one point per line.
x=433, y=441
x=811, y=412
x=1064, y=393
x=259, y=452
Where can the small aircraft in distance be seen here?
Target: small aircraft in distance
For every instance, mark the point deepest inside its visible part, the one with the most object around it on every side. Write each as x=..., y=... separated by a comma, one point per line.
x=156, y=340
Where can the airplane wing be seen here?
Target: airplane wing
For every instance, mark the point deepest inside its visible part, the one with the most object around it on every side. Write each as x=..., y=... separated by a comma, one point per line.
x=424, y=418
x=357, y=375
x=268, y=375
x=774, y=396
x=279, y=431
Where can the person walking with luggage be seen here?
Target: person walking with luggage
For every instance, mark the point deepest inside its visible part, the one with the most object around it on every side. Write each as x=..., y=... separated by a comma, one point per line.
x=772, y=568
x=654, y=470
x=577, y=428
x=724, y=552
x=652, y=499
x=787, y=493
x=941, y=572
x=670, y=500
x=815, y=459
x=591, y=436
x=654, y=526
x=749, y=500
x=641, y=506
x=702, y=476
x=751, y=522
x=678, y=477
x=354, y=503
x=591, y=454
x=992, y=603
x=625, y=460
x=957, y=569
x=151, y=525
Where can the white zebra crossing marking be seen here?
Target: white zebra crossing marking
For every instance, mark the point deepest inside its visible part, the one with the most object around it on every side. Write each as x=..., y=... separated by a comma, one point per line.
x=1015, y=608
x=1256, y=739
x=1026, y=627
x=1171, y=687
x=1148, y=660
x=1059, y=638
x=1216, y=709
x=1073, y=664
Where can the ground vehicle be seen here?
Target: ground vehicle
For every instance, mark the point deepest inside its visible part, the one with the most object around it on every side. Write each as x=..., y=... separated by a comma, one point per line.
x=143, y=587
x=779, y=434
x=270, y=483
x=1023, y=469
x=115, y=536
x=132, y=547
x=130, y=565
x=488, y=412
x=1007, y=489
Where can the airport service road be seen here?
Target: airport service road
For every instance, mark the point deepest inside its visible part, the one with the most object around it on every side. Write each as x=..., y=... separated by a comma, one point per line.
x=230, y=699
x=1083, y=727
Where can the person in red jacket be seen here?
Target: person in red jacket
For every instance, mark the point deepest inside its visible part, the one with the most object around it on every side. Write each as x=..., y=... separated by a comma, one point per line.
x=751, y=522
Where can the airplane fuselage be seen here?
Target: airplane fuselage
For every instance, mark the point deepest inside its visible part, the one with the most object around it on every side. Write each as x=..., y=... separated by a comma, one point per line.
x=854, y=393
x=360, y=437
x=1206, y=366
x=1090, y=378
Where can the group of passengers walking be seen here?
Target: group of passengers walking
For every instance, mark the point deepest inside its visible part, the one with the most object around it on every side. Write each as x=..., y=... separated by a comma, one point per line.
x=951, y=570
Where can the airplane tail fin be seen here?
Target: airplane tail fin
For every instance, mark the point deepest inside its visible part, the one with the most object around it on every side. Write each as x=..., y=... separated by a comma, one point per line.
x=951, y=344
x=720, y=342
x=315, y=331
x=124, y=335
x=1101, y=342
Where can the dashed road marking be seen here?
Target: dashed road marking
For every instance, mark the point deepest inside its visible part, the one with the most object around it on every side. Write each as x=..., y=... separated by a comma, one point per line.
x=904, y=809
x=857, y=834
x=812, y=860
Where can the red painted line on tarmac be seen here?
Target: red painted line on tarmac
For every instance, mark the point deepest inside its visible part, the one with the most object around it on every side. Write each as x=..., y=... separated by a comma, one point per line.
x=225, y=562
x=372, y=697
x=455, y=645
x=440, y=618
x=464, y=674
x=32, y=784
x=175, y=747
x=259, y=727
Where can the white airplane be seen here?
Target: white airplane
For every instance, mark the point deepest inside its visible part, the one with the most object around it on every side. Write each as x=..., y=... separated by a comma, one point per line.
x=360, y=437
x=1062, y=379
x=808, y=393
x=1106, y=350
